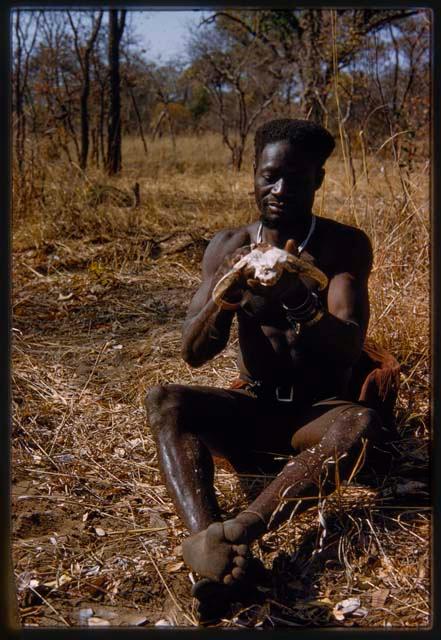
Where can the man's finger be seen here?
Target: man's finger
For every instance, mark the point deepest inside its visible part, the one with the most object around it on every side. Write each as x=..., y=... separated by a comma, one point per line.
x=253, y=283
x=291, y=246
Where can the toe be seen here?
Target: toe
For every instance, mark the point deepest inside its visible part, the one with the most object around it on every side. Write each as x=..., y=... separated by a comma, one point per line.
x=241, y=562
x=241, y=549
x=237, y=573
x=228, y=579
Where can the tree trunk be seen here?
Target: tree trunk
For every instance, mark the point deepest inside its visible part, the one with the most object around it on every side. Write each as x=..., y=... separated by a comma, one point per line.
x=84, y=109
x=84, y=60
x=138, y=119
x=84, y=115
x=19, y=131
x=116, y=28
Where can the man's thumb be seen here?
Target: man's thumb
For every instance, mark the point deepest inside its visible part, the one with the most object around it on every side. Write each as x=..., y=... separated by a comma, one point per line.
x=291, y=246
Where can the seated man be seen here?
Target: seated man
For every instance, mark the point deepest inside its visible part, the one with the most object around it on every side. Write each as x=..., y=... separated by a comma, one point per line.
x=292, y=412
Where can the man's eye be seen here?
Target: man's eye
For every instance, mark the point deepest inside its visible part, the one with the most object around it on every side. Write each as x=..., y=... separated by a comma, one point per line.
x=268, y=178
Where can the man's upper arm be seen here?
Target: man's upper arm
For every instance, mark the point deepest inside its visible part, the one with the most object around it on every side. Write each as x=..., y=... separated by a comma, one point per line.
x=348, y=297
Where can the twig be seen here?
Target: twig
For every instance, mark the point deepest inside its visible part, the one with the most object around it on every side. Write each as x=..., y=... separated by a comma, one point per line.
x=50, y=606
x=93, y=370
x=135, y=531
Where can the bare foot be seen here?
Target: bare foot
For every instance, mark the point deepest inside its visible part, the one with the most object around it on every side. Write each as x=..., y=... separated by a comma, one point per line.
x=219, y=552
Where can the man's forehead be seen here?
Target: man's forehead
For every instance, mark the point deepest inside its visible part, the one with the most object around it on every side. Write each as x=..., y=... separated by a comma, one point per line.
x=285, y=152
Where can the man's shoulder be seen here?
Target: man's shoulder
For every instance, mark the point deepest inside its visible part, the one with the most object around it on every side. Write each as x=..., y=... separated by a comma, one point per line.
x=344, y=233
x=350, y=246
x=235, y=234
x=225, y=242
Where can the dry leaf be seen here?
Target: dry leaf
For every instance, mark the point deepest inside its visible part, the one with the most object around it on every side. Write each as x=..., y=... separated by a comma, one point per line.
x=360, y=612
x=379, y=597
x=97, y=622
x=84, y=614
x=99, y=531
x=63, y=579
x=107, y=614
x=163, y=623
x=345, y=607
x=174, y=566
x=25, y=580
x=411, y=488
x=423, y=569
x=66, y=297
x=132, y=620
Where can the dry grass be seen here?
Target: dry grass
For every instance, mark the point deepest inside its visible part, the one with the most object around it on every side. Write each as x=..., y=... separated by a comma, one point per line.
x=99, y=298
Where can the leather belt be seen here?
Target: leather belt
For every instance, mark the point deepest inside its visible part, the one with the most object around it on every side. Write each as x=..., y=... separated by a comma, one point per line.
x=259, y=389
x=285, y=393
x=281, y=393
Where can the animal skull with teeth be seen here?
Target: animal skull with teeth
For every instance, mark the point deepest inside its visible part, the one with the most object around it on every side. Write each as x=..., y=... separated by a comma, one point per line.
x=264, y=265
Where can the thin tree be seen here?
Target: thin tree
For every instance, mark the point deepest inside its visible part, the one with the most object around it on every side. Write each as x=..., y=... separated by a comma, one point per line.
x=129, y=85
x=240, y=82
x=25, y=37
x=116, y=28
x=83, y=54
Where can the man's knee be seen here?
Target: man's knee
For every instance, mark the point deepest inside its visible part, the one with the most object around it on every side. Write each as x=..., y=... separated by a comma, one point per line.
x=357, y=426
x=161, y=402
x=342, y=424
x=365, y=420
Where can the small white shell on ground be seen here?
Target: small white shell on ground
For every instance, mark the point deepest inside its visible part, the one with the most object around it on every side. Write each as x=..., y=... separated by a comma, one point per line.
x=350, y=606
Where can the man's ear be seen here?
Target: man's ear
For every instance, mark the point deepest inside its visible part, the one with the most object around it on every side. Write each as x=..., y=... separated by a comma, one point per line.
x=319, y=178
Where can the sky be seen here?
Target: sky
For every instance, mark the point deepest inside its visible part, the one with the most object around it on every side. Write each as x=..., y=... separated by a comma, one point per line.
x=164, y=33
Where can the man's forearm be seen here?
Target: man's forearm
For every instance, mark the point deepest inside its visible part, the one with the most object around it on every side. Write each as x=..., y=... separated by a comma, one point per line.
x=339, y=340
x=206, y=334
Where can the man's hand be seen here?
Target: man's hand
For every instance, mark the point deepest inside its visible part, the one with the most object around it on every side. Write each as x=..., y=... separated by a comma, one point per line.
x=235, y=292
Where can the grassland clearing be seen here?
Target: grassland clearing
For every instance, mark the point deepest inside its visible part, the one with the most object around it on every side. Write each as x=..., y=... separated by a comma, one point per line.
x=100, y=294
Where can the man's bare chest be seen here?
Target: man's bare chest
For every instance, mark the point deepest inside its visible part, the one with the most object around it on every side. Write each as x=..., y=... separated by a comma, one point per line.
x=281, y=339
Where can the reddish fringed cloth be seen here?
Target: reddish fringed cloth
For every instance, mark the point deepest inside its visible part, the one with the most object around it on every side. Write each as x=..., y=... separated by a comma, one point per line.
x=375, y=381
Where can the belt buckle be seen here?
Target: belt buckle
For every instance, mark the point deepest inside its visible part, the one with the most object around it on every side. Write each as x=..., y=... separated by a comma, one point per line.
x=288, y=399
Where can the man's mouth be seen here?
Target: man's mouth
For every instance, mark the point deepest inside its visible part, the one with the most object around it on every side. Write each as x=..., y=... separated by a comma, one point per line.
x=277, y=207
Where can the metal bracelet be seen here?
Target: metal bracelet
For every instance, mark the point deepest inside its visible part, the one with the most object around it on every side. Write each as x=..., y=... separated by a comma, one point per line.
x=308, y=313
x=318, y=316
x=306, y=302
x=256, y=513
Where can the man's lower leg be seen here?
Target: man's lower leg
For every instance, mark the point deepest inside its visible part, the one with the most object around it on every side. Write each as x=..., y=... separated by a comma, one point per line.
x=185, y=462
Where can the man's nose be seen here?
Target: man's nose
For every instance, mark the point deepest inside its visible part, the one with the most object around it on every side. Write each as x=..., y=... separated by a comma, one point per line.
x=279, y=187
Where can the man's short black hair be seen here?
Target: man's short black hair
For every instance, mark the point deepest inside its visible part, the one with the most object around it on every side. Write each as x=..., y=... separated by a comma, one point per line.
x=306, y=135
